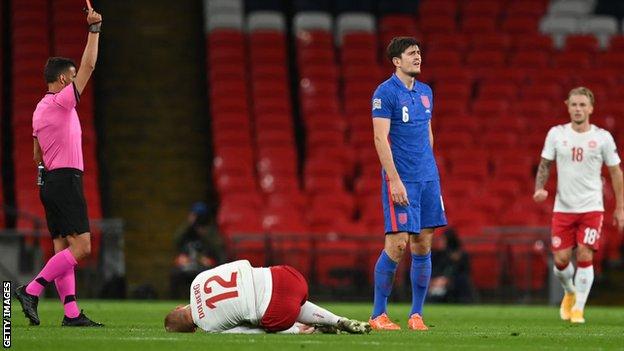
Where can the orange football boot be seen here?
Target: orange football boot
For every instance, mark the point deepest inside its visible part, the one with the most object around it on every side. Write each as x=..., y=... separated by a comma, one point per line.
x=416, y=323
x=382, y=322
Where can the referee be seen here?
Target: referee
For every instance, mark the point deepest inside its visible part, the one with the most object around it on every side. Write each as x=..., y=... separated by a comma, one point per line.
x=58, y=150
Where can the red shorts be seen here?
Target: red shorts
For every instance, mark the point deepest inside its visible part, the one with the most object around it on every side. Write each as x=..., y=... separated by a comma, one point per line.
x=289, y=293
x=571, y=229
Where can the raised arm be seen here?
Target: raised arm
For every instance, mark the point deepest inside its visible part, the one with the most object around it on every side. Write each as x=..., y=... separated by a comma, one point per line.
x=89, y=56
x=617, y=181
x=543, y=172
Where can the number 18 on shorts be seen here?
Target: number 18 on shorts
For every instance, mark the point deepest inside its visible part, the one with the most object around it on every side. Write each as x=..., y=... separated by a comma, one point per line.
x=572, y=229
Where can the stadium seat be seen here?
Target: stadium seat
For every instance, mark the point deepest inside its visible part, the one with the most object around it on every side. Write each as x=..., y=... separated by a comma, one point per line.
x=266, y=20
x=484, y=8
x=520, y=25
x=443, y=58
x=350, y=22
x=312, y=20
x=559, y=28
x=478, y=24
x=570, y=8
x=438, y=8
x=485, y=257
x=491, y=41
x=528, y=265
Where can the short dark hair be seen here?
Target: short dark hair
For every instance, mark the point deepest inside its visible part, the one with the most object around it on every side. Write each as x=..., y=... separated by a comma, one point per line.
x=398, y=45
x=55, y=67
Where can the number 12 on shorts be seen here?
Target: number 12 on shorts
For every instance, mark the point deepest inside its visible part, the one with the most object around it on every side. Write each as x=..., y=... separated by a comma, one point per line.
x=591, y=235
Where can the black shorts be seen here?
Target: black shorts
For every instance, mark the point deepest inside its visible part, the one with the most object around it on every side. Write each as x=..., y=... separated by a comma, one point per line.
x=64, y=202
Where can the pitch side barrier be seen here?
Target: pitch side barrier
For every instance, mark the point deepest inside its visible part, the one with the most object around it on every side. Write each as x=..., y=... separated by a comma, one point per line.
x=508, y=264
x=23, y=251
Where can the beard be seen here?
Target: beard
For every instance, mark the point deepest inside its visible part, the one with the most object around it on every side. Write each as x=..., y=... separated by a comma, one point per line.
x=413, y=74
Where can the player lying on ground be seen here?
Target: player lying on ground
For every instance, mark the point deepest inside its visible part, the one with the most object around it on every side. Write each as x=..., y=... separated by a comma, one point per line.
x=238, y=298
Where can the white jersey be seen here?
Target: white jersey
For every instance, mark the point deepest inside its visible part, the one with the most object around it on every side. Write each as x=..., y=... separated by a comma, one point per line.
x=579, y=158
x=230, y=295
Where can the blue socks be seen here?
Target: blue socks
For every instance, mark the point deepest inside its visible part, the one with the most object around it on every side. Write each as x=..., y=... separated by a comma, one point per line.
x=384, y=279
x=420, y=274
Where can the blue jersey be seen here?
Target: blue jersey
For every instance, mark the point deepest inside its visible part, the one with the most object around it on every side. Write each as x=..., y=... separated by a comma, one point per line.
x=409, y=112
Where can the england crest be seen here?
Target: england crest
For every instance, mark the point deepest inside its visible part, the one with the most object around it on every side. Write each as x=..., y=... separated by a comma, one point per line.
x=402, y=218
x=425, y=101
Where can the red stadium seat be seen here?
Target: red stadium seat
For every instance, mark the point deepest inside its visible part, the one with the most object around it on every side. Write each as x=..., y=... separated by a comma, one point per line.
x=484, y=8
x=438, y=8
x=322, y=184
x=520, y=25
x=496, y=90
x=529, y=266
x=490, y=108
x=486, y=264
x=533, y=42
x=437, y=24
x=616, y=43
x=530, y=59
x=234, y=183
x=476, y=169
x=572, y=60
x=453, y=140
x=447, y=41
x=478, y=24
x=443, y=58
x=610, y=59
x=547, y=91
x=581, y=42
x=498, y=140
x=342, y=203
x=526, y=8
x=491, y=41
x=485, y=59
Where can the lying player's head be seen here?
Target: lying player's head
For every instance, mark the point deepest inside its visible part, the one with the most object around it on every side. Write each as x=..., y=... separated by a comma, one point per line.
x=59, y=69
x=580, y=104
x=180, y=321
x=404, y=53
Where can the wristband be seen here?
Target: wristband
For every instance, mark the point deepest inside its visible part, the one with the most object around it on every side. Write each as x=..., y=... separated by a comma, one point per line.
x=95, y=27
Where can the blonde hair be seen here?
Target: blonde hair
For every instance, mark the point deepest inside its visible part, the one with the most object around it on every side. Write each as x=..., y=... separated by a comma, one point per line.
x=581, y=91
x=176, y=322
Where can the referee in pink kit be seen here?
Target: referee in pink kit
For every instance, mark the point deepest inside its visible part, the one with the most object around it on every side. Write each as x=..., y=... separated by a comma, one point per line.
x=57, y=146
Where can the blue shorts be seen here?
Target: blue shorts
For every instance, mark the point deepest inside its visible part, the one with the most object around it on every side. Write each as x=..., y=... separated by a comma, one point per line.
x=426, y=209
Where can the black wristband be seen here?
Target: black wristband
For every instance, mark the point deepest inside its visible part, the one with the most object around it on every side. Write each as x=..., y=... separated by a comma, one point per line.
x=95, y=27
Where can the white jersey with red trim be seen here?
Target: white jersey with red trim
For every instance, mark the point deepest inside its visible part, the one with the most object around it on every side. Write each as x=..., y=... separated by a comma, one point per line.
x=230, y=295
x=579, y=158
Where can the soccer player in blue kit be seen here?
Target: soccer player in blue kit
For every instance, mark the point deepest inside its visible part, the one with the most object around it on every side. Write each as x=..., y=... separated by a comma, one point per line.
x=411, y=197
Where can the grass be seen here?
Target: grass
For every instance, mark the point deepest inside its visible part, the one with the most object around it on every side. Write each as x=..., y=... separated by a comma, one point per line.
x=133, y=325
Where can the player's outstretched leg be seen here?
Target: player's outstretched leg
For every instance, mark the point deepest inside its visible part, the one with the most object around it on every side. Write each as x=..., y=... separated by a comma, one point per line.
x=583, y=282
x=29, y=304
x=328, y=323
x=565, y=274
x=80, y=321
x=353, y=326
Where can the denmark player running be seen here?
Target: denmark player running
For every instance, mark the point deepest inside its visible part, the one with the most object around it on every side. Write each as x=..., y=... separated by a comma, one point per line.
x=238, y=298
x=579, y=148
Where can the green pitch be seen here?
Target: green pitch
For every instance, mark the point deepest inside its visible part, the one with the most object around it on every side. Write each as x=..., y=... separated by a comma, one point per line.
x=132, y=325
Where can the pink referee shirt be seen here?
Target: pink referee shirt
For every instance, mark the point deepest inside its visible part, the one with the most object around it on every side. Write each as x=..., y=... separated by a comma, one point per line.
x=57, y=128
